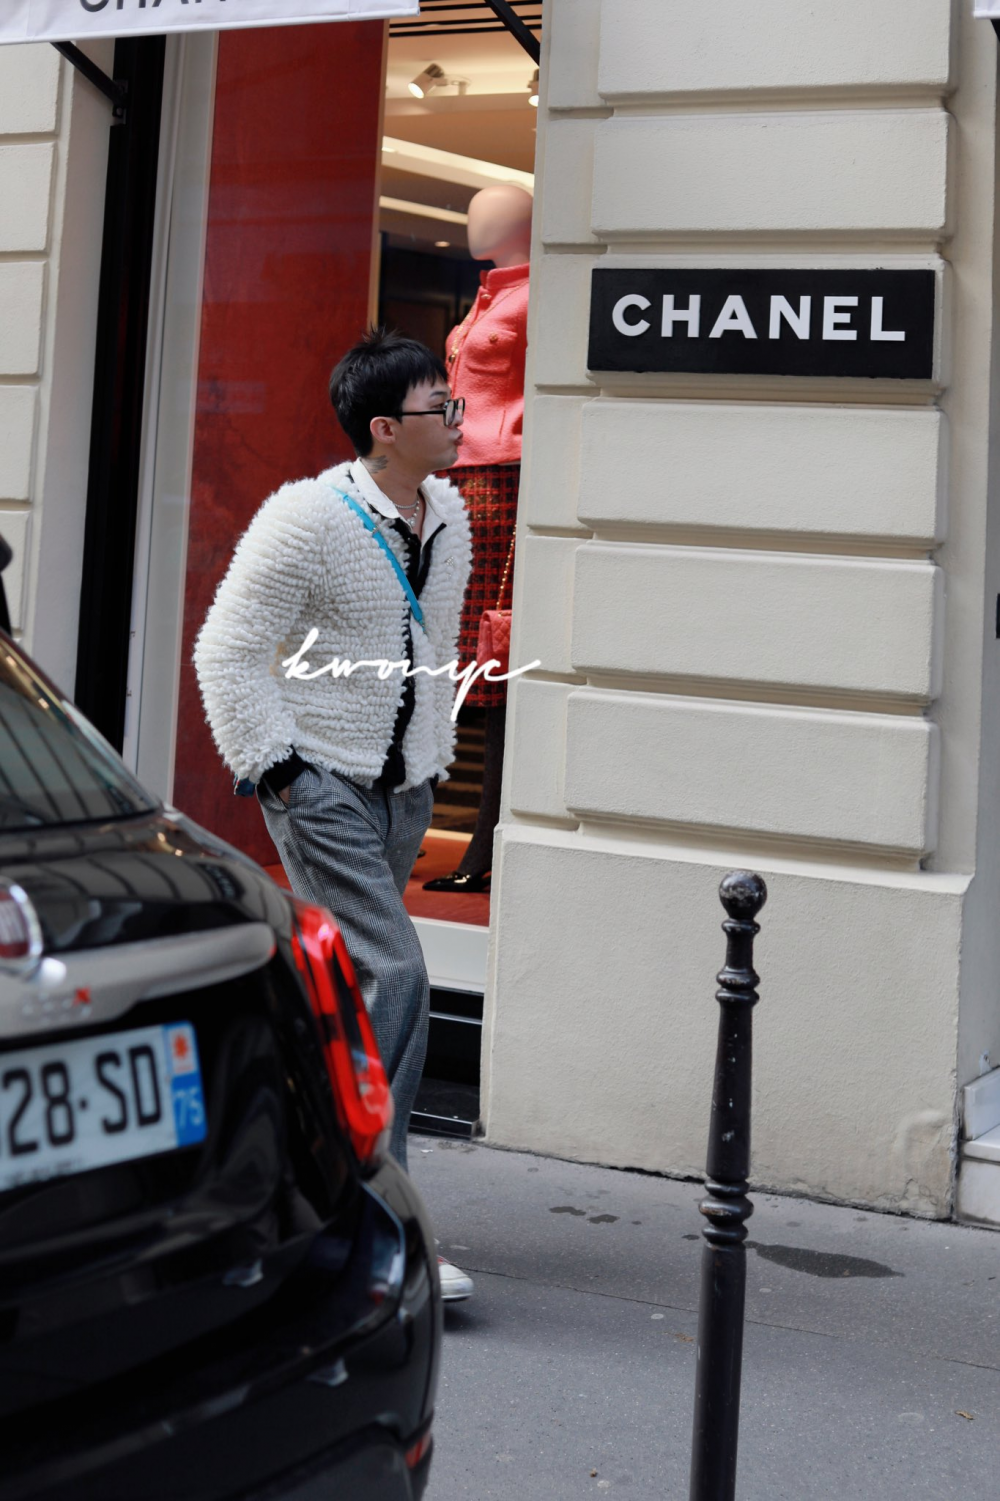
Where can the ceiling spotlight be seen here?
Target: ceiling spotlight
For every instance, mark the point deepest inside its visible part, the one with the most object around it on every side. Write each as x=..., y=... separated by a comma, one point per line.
x=443, y=244
x=431, y=78
x=533, y=90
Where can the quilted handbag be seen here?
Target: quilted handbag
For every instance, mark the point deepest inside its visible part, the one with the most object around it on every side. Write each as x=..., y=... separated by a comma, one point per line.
x=494, y=628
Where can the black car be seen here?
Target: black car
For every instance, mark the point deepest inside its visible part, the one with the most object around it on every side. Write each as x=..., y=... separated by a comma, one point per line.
x=213, y=1280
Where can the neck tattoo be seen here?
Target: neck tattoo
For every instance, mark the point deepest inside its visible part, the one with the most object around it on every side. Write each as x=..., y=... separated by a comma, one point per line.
x=375, y=466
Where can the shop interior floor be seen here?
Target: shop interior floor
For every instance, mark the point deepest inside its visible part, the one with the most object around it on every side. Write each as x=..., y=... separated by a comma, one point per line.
x=444, y=851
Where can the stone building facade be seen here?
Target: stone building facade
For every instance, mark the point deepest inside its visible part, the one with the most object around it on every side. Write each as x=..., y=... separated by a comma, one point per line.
x=765, y=605
x=766, y=612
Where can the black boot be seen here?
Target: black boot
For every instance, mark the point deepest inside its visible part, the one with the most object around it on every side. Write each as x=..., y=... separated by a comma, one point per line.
x=457, y=881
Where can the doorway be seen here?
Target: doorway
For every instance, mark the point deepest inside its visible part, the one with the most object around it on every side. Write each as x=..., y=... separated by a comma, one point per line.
x=291, y=214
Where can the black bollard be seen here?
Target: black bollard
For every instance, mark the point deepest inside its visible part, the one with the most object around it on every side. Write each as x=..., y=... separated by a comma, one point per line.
x=724, y=1257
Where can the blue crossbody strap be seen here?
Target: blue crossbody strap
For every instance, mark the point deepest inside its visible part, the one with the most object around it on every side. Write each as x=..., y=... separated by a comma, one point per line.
x=359, y=510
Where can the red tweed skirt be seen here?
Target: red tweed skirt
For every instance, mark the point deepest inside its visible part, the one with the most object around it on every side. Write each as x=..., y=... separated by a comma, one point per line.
x=490, y=495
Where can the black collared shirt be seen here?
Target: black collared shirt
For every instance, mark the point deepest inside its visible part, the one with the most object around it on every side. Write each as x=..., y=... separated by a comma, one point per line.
x=418, y=562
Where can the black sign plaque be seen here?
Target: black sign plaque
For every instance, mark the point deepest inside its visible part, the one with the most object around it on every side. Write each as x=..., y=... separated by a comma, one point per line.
x=755, y=322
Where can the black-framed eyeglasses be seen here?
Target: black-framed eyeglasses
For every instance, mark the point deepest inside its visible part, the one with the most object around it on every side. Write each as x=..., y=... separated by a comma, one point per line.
x=453, y=411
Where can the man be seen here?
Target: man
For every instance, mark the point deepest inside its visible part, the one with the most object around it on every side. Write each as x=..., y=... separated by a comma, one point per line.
x=373, y=557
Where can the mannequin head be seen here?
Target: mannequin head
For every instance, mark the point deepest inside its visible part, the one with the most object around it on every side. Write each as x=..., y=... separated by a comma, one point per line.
x=500, y=225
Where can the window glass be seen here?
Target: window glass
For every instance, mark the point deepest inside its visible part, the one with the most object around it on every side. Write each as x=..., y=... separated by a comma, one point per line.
x=54, y=767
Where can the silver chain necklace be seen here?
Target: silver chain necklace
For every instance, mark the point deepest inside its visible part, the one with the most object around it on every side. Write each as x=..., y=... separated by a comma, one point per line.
x=409, y=513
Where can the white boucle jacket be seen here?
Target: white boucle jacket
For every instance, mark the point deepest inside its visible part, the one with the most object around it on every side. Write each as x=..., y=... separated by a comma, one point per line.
x=306, y=561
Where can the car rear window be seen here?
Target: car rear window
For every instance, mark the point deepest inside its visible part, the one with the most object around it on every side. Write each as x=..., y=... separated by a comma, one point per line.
x=54, y=766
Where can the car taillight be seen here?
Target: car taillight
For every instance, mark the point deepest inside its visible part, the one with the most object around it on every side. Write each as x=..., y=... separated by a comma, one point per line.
x=417, y=1451
x=20, y=932
x=360, y=1087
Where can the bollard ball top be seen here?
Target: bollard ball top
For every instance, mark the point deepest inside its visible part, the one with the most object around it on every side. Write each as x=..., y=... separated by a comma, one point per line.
x=742, y=893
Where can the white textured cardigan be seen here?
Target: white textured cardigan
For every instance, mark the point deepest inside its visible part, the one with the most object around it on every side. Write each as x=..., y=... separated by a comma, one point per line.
x=306, y=561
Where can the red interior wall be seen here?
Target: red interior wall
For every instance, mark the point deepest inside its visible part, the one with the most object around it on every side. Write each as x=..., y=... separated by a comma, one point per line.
x=291, y=210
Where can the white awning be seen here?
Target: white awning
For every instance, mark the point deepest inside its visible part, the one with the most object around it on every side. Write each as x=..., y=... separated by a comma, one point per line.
x=80, y=20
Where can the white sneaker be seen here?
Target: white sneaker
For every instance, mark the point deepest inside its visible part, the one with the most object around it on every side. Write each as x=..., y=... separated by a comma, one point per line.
x=456, y=1285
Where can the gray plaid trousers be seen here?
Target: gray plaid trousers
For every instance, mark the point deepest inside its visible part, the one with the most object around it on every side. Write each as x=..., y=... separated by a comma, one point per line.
x=352, y=849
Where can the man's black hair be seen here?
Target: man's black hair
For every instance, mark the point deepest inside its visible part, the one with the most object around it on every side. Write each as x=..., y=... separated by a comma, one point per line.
x=373, y=378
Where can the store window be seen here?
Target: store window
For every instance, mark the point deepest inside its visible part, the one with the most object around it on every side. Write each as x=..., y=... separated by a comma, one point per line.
x=315, y=179
x=471, y=134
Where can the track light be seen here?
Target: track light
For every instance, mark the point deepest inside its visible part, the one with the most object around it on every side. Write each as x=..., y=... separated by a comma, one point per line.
x=431, y=78
x=533, y=90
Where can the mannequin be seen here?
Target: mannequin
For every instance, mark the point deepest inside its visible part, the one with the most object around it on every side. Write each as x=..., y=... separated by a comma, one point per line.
x=485, y=357
x=500, y=226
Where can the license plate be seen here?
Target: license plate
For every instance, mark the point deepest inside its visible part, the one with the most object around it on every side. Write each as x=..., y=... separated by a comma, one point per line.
x=74, y=1106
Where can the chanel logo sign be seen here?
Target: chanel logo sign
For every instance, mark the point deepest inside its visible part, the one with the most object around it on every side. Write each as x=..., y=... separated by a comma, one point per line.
x=868, y=323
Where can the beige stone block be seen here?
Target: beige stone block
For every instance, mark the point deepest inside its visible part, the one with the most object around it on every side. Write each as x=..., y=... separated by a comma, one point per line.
x=536, y=778
x=979, y=1191
x=25, y=191
x=851, y=471
x=671, y=47
x=29, y=90
x=22, y=292
x=838, y=170
x=17, y=441
x=558, y=329
x=608, y=964
x=863, y=779
x=550, y=481
x=15, y=528
x=574, y=28
x=852, y=625
x=543, y=602
x=568, y=176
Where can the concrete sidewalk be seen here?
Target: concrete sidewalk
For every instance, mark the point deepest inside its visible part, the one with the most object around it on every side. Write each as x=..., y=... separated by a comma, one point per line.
x=871, y=1364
